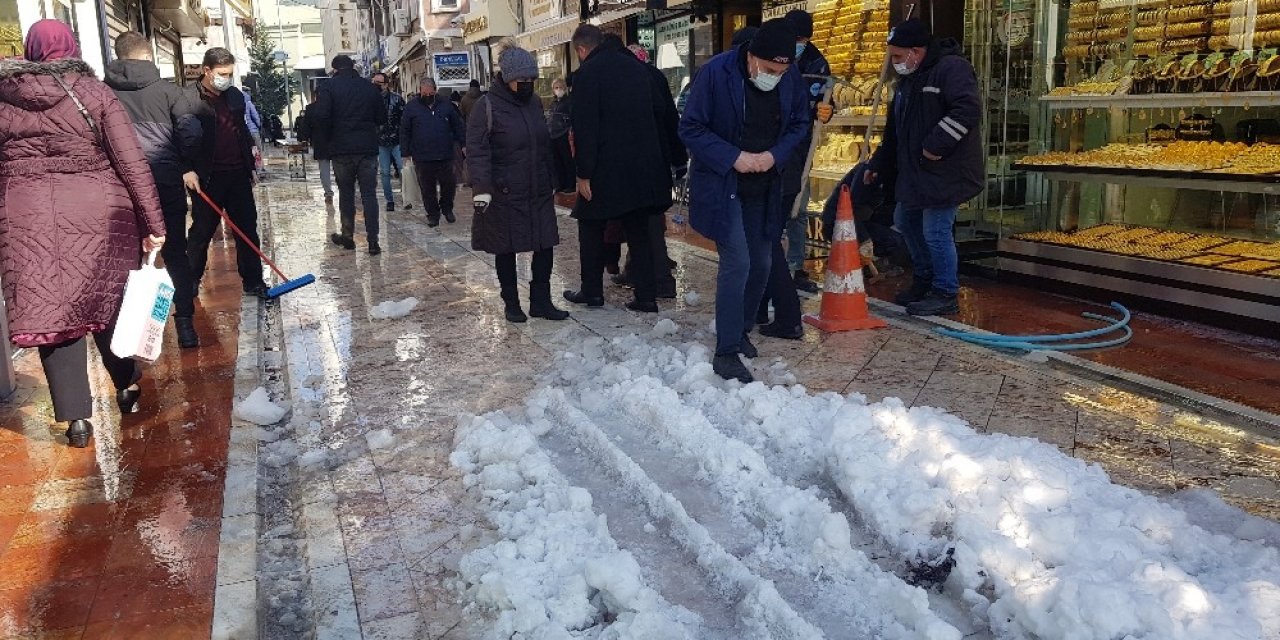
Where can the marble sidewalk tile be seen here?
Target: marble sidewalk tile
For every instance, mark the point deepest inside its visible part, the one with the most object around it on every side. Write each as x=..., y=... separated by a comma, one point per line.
x=323, y=536
x=400, y=627
x=237, y=549
x=235, y=611
x=1059, y=433
x=384, y=592
x=336, y=616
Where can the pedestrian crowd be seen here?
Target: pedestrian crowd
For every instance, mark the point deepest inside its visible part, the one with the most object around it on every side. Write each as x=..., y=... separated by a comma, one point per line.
x=94, y=175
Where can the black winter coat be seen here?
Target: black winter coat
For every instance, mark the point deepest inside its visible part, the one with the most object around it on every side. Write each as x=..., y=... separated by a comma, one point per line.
x=429, y=134
x=349, y=111
x=618, y=136
x=307, y=133
x=560, y=117
x=209, y=129
x=162, y=115
x=509, y=158
x=668, y=119
x=936, y=108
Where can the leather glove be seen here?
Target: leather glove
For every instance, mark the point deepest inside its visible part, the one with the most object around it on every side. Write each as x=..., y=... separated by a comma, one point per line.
x=481, y=202
x=825, y=111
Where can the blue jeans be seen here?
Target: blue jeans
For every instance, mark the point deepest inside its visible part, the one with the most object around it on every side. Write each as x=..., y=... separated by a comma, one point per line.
x=931, y=244
x=326, y=177
x=745, y=257
x=385, y=157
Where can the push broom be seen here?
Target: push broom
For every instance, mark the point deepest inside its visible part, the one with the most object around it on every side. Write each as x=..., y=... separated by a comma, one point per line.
x=278, y=290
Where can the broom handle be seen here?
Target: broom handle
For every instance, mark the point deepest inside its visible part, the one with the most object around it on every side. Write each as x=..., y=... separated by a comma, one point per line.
x=240, y=233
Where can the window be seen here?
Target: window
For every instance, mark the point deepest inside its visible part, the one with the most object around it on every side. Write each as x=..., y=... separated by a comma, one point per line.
x=444, y=6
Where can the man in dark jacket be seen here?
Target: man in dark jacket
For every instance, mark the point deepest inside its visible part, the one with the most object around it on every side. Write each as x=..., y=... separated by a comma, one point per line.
x=348, y=112
x=319, y=146
x=622, y=171
x=933, y=144
x=746, y=115
x=225, y=165
x=389, y=137
x=469, y=99
x=170, y=135
x=432, y=130
x=559, y=123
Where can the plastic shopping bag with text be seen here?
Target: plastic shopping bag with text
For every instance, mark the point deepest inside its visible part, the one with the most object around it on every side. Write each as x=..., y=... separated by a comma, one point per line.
x=148, y=295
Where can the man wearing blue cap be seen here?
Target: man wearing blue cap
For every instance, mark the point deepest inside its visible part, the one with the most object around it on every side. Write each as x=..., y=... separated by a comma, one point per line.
x=932, y=143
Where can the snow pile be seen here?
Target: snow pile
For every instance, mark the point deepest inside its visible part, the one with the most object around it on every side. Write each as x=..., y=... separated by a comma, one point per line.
x=392, y=309
x=1045, y=545
x=557, y=572
x=259, y=409
x=692, y=298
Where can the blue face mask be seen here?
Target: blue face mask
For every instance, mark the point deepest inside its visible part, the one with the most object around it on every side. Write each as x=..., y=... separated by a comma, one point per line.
x=800, y=48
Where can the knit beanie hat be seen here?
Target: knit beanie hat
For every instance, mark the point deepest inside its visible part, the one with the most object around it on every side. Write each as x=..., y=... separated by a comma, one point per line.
x=517, y=64
x=775, y=42
x=801, y=21
x=910, y=34
x=744, y=35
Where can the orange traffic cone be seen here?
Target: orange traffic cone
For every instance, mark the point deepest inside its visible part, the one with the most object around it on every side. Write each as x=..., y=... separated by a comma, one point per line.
x=844, y=296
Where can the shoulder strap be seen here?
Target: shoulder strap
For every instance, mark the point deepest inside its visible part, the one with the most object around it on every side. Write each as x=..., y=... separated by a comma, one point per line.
x=488, y=111
x=93, y=126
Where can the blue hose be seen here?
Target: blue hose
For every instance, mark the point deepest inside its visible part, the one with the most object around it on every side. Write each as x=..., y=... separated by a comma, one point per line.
x=1042, y=342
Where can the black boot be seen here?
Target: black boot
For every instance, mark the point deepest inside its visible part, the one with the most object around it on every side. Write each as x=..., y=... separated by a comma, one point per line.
x=578, y=297
x=511, y=299
x=919, y=289
x=775, y=330
x=79, y=432
x=374, y=248
x=642, y=306
x=540, y=305
x=803, y=283
x=342, y=241
x=936, y=303
x=730, y=367
x=187, y=336
x=127, y=399
x=749, y=350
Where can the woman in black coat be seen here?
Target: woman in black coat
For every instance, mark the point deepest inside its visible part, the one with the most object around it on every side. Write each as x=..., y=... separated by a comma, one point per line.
x=509, y=159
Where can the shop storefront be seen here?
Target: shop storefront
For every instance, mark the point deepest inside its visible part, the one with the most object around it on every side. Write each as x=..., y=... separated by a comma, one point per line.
x=678, y=43
x=1134, y=147
x=487, y=24
x=549, y=26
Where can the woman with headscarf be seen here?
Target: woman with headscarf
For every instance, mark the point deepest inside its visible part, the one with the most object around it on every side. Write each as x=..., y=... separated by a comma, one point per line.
x=509, y=158
x=79, y=210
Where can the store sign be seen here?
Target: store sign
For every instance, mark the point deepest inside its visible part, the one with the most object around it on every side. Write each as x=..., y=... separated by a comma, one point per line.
x=539, y=12
x=489, y=20
x=671, y=41
x=549, y=36
x=778, y=10
x=451, y=68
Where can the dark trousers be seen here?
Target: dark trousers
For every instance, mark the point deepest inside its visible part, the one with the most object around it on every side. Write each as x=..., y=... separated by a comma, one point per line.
x=745, y=257
x=782, y=291
x=233, y=191
x=562, y=155
x=66, y=368
x=348, y=170
x=431, y=174
x=506, y=265
x=591, y=251
x=662, y=277
x=173, y=202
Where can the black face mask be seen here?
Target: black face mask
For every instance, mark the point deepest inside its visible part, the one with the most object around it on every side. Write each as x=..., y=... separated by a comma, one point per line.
x=524, y=91
x=428, y=100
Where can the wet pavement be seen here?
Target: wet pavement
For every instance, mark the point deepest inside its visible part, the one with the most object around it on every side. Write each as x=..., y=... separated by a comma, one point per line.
x=347, y=521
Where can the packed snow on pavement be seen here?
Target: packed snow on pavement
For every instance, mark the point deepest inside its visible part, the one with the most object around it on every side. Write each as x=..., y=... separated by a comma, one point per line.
x=637, y=495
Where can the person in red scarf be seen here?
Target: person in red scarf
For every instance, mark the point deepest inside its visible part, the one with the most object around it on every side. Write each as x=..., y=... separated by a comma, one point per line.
x=80, y=209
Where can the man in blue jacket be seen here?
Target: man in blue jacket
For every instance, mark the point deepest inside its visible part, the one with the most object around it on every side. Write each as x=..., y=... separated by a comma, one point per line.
x=932, y=143
x=746, y=114
x=429, y=131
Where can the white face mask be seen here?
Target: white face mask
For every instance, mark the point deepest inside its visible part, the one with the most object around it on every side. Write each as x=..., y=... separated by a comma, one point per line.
x=764, y=80
x=221, y=83
x=903, y=68
x=559, y=93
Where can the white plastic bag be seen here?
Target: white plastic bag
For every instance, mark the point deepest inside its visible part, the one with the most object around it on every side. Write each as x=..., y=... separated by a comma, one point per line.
x=140, y=327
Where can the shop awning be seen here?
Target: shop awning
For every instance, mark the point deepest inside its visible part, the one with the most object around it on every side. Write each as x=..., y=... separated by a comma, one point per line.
x=614, y=11
x=312, y=63
x=557, y=32
x=417, y=47
x=187, y=17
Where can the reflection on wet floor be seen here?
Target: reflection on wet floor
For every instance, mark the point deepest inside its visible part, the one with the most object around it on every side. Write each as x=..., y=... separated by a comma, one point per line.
x=355, y=521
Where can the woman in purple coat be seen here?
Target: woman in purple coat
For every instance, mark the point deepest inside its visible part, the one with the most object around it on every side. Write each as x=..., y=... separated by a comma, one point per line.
x=78, y=207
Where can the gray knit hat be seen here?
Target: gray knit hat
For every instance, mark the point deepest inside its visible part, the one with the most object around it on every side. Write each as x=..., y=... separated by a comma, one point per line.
x=517, y=64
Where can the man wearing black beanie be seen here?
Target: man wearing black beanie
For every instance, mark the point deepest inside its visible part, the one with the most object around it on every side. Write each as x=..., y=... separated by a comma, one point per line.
x=735, y=185
x=932, y=149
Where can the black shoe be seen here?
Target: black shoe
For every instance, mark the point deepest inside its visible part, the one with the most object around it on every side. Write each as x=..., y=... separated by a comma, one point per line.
x=407, y=206
x=774, y=330
x=803, y=283
x=730, y=367
x=433, y=221
x=127, y=399
x=918, y=291
x=257, y=290
x=328, y=199
x=621, y=280
x=642, y=307
x=577, y=297
x=667, y=291
x=346, y=242
x=540, y=305
x=79, y=432
x=391, y=206
x=374, y=248
x=936, y=303
x=186, y=328
x=514, y=313
x=449, y=217
x=762, y=314
x=672, y=264
x=747, y=349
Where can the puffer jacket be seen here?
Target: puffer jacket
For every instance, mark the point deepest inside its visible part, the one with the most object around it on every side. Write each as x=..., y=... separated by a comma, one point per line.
x=348, y=112
x=162, y=115
x=430, y=133
x=509, y=157
x=936, y=108
x=72, y=215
